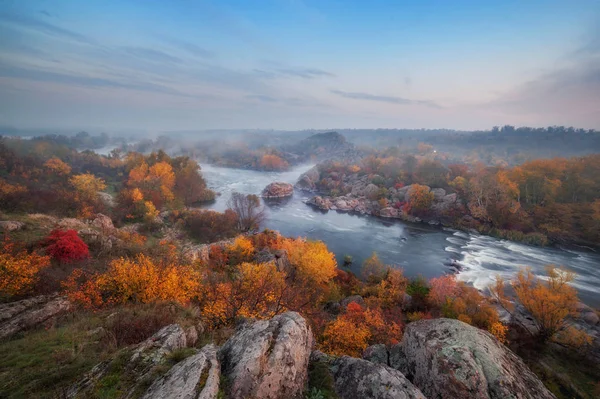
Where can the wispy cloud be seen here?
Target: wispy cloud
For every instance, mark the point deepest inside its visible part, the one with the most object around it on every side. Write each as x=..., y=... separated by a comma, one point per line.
x=385, y=99
x=41, y=75
x=25, y=22
x=190, y=47
x=275, y=70
x=152, y=55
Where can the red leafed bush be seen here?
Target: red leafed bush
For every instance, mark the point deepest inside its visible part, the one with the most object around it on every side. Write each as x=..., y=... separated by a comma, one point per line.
x=66, y=246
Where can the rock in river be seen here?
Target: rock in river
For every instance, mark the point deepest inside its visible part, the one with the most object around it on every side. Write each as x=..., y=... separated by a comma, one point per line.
x=278, y=190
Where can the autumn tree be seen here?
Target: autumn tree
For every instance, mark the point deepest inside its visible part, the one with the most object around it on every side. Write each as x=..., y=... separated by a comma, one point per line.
x=373, y=269
x=549, y=302
x=190, y=186
x=455, y=299
x=273, y=162
x=87, y=185
x=58, y=167
x=19, y=270
x=66, y=246
x=356, y=328
x=312, y=260
x=136, y=280
x=253, y=290
x=420, y=198
x=248, y=209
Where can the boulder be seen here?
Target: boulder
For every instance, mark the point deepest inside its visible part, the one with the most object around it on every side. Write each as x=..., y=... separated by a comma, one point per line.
x=451, y=359
x=307, y=181
x=377, y=354
x=268, y=358
x=196, y=377
x=11, y=225
x=278, y=190
x=163, y=342
x=353, y=298
x=587, y=314
x=438, y=194
x=320, y=202
x=71, y=224
x=358, y=378
x=28, y=313
x=103, y=223
x=145, y=357
x=388, y=212
x=107, y=199
x=370, y=190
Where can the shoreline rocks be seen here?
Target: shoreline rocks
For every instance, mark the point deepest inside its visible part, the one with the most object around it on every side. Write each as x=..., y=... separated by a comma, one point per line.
x=278, y=190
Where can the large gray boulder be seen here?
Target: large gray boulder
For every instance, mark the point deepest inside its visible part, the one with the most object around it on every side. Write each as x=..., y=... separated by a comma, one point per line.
x=268, y=358
x=196, y=377
x=450, y=359
x=358, y=378
x=29, y=313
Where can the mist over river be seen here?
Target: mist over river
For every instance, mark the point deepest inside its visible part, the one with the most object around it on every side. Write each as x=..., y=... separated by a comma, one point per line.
x=419, y=249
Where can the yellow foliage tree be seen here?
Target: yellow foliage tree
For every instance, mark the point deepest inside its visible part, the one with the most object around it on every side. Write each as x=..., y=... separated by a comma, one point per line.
x=56, y=166
x=311, y=259
x=19, y=270
x=87, y=185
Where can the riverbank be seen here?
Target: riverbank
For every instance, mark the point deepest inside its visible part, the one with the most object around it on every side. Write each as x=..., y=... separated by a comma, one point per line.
x=417, y=248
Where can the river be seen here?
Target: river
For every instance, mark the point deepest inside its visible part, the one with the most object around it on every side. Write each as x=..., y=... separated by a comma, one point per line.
x=419, y=249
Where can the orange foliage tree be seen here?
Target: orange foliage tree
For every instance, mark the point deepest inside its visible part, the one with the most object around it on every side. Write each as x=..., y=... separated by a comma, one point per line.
x=56, y=166
x=273, y=162
x=456, y=300
x=550, y=303
x=19, y=270
x=253, y=290
x=137, y=280
x=354, y=330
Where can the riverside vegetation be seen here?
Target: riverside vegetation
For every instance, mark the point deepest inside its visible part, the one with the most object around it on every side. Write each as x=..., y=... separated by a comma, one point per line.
x=112, y=286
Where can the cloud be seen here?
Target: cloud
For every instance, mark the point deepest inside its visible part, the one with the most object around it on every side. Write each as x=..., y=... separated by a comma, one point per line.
x=305, y=73
x=21, y=21
x=385, y=99
x=275, y=70
x=189, y=47
x=149, y=54
x=41, y=75
x=262, y=98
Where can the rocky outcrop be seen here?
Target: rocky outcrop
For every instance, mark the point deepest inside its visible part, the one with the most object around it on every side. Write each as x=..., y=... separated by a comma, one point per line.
x=358, y=378
x=268, y=358
x=144, y=358
x=196, y=377
x=11, y=225
x=450, y=359
x=278, y=190
x=29, y=313
x=103, y=222
x=163, y=342
x=308, y=180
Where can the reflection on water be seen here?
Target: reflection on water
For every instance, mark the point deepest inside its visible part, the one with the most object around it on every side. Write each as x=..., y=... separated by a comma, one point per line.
x=418, y=249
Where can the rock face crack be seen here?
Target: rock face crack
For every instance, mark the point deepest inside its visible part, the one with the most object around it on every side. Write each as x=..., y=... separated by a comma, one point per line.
x=268, y=358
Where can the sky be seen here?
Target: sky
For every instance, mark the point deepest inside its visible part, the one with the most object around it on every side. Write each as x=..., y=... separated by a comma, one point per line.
x=158, y=65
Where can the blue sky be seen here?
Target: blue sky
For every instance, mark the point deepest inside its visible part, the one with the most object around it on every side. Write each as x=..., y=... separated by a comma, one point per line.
x=293, y=64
